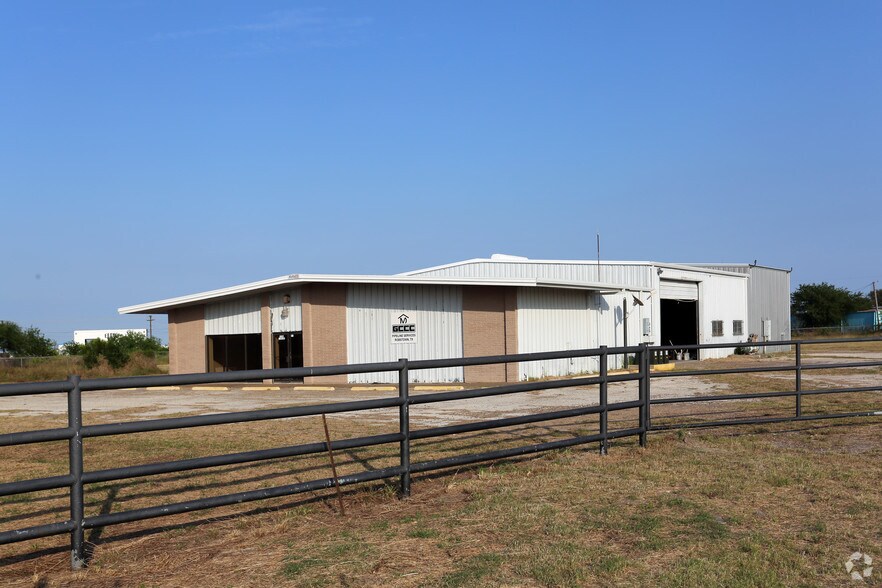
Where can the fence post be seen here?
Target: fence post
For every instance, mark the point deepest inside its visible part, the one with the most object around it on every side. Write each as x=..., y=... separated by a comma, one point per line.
x=75, y=449
x=644, y=393
x=604, y=413
x=404, y=427
x=648, y=390
x=798, y=380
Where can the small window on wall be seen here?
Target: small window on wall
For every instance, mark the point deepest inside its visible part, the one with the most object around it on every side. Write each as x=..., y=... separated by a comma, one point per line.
x=737, y=328
x=717, y=327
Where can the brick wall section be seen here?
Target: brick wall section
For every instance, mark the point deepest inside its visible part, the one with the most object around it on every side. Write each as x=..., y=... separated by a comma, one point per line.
x=172, y=343
x=324, y=328
x=511, y=332
x=266, y=333
x=485, y=326
x=186, y=340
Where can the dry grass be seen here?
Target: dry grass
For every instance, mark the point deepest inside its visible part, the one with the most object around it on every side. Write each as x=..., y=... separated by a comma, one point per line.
x=853, y=346
x=780, y=505
x=59, y=368
x=775, y=505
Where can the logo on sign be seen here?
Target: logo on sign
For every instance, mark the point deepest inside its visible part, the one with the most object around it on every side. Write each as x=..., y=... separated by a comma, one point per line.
x=404, y=331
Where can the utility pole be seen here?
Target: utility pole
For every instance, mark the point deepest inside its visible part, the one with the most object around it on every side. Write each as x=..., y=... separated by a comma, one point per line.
x=599, y=299
x=150, y=320
x=625, y=327
x=876, y=320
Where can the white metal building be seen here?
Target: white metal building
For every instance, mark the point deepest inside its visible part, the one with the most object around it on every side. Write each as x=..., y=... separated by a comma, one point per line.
x=768, y=300
x=499, y=305
x=86, y=335
x=691, y=299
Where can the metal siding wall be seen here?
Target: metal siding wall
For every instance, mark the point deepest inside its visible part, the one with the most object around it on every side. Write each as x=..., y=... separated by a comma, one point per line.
x=637, y=276
x=294, y=321
x=655, y=303
x=721, y=298
x=611, y=323
x=769, y=298
x=437, y=312
x=233, y=317
x=736, y=269
x=555, y=320
x=866, y=319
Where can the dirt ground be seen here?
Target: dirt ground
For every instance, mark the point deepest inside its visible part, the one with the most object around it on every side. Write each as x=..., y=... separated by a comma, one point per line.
x=147, y=403
x=153, y=403
x=672, y=513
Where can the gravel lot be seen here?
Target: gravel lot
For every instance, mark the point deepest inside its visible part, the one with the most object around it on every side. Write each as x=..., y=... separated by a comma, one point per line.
x=153, y=403
x=146, y=403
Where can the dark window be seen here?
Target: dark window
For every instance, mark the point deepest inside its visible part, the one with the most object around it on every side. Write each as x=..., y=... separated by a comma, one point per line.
x=234, y=352
x=737, y=328
x=717, y=328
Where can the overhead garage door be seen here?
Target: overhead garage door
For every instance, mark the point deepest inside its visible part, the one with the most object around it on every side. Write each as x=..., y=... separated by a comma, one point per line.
x=677, y=290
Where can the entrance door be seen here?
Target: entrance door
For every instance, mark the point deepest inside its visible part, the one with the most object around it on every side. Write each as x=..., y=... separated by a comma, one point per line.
x=288, y=350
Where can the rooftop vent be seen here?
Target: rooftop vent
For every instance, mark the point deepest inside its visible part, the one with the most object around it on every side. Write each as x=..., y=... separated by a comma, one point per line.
x=504, y=257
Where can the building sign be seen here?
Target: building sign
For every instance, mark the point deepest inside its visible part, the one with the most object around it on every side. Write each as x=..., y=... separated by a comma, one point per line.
x=404, y=329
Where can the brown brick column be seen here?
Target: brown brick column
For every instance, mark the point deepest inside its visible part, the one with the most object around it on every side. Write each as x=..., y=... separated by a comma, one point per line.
x=324, y=328
x=266, y=335
x=485, y=319
x=186, y=340
x=511, y=333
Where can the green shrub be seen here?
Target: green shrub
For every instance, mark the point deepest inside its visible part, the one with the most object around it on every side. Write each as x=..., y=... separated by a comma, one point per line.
x=117, y=350
x=28, y=342
x=742, y=350
x=72, y=348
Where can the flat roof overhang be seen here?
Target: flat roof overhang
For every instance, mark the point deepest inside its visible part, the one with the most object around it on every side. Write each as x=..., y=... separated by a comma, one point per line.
x=163, y=306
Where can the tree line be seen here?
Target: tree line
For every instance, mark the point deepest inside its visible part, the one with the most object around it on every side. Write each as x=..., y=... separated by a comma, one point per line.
x=825, y=305
x=28, y=342
x=116, y=349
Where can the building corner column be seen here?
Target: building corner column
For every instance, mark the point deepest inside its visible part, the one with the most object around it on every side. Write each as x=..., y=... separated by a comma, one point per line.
x=266, y=335
x=323, y=311
x=511, y=333
x=186, y=340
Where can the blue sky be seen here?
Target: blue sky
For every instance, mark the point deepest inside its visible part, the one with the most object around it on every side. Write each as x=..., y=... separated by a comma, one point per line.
x=153, y=149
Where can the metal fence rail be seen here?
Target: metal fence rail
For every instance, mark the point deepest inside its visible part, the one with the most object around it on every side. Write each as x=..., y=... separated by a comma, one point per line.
x=797, y=368
x=75, y=431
